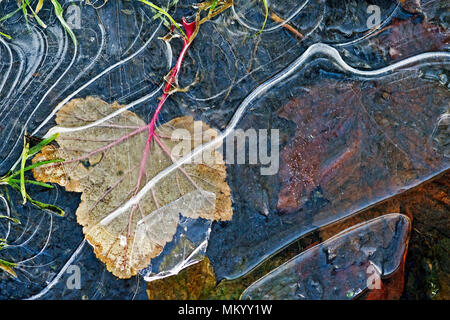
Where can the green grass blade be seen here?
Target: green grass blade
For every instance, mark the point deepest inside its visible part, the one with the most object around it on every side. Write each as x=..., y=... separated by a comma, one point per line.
x=59, y=14
x=6, y=17
x=24, y=11
x=3, y=244
x=152, y=5
x=42, y=144
x=8, y=267
x=8, y=264
x=39, y=6
x=14, y=185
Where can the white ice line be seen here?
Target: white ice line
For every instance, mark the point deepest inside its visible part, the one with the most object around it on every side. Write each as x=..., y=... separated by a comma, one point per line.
x=100, y=121
x=89, y=66
x=73, y=94
x=312, y=50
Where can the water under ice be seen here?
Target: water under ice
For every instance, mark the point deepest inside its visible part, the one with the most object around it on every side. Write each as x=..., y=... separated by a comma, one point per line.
x=240, y=81
x=343, y=267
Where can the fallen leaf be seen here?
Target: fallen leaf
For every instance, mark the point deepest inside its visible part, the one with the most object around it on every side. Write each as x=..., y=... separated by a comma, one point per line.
x=109, y=178
x=413, y=6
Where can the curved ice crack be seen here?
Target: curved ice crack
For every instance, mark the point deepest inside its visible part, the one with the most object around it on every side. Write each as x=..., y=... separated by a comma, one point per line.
x=318, y=48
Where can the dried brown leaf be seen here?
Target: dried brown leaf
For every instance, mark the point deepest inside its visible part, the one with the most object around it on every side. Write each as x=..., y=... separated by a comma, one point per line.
x=109, y=178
